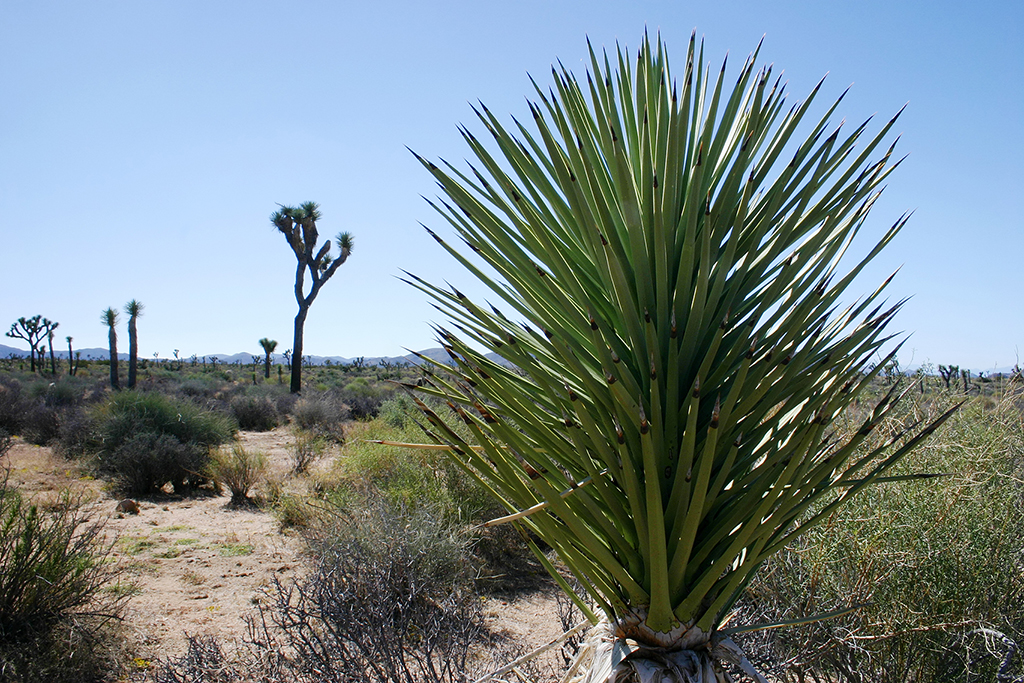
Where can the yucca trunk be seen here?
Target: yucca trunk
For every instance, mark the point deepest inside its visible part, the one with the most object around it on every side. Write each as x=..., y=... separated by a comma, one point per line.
x=115, y=382
x=133, y=352
x=296, y=365
x=676, y=345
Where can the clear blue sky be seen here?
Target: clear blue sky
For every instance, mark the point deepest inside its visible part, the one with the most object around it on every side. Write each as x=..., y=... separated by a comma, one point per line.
x=143, y=146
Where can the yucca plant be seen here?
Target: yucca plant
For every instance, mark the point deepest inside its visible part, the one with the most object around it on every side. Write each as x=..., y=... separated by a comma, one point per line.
x=668, y=251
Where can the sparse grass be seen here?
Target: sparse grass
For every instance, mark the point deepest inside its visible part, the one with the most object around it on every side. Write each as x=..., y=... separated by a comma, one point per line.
x=135, y=545
x=233, y=549
x=192, y=578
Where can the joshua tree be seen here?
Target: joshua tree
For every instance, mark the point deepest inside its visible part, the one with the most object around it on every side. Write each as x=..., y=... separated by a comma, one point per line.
x=298, y=225
x=268, y=348
x=949, y=373
x=134, y=309
x=683, y=349
x=110, y=318
x=31, y=330
x=71, y=358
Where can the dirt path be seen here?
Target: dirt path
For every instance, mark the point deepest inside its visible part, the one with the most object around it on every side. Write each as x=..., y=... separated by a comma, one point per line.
x=197, y=566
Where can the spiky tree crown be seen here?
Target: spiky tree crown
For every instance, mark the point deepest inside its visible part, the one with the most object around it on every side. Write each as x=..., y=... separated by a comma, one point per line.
x=676, y=329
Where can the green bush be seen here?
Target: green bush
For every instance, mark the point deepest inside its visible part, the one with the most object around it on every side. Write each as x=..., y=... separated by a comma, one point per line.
x=362, y=398
x=74, y=650
x=63, y=392
x=129, y=413
x=937, y=564
x=40, y=423
x=147, y=461
x=76, y=433
x=255, y=413
x=409, y=476
x=52, y=567
x=200, y=386
x=321, y=414
x=13, y=405
x=54, y=613
x=149, y=440
x=238, y=470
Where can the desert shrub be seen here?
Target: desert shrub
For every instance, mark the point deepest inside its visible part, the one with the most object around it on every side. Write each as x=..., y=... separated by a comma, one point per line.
x=397, y=411
x=204, y=661
x=40, y=424
x=254, y=413
x=362, y=398
x=238, y=470
x=412, y=478
x=76, y=433
x=936, y=564
x=129, y=413
x=294, y=512
x=59, y=394
x=13, y=405
x=307, y=449
x=149, y=440
x=200, y=386
x=284, y=400
x=74, y=650
x=409, y=476
x=5, y=442
x=321, y=414
x=147, y=461
x=52, y=568
x=388, y=600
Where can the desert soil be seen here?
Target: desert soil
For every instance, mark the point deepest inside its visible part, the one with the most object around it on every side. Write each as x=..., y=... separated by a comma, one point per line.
x=198, y=566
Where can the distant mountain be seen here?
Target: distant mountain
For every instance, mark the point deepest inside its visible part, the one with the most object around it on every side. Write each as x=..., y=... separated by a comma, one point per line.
x=91, y=353
x=437, y=354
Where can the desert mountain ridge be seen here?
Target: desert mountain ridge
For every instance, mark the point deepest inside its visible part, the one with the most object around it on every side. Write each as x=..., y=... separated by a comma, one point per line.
x=97, y=353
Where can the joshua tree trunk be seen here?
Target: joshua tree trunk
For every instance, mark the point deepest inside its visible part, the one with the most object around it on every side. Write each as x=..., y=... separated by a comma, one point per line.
x=71, y=360
x=134, y=309
x=109, y=318
x=115, y=383
x=300, y=322
x=133, y=352
x=53, y=360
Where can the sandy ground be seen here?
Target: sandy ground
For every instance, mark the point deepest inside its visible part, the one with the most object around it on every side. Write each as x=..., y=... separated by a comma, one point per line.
x=197, y=565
